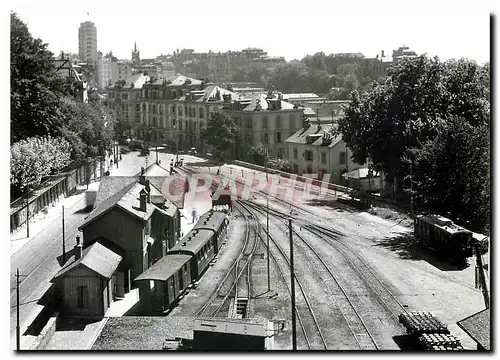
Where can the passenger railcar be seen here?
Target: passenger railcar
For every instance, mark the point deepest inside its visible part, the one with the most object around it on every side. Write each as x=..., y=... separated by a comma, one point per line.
x=441, y=235
x=199, y=244
x=161, y=285
x=216, y=222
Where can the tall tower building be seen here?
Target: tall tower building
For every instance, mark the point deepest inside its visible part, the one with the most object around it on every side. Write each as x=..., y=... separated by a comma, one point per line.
x=87, y=43
x=136, y=57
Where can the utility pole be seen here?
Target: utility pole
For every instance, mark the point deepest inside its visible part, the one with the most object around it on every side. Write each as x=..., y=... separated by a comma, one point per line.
x=28, y=213
x=63, y=237
x=18, y=328
x=294, y=320
x=268, y=268
x=265, y=159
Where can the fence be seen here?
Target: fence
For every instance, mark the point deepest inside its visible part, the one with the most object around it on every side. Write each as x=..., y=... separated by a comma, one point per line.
x=53, y=190
x=315, y=182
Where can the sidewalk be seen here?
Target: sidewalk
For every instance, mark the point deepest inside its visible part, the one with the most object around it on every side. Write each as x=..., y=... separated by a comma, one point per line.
x=43, y=220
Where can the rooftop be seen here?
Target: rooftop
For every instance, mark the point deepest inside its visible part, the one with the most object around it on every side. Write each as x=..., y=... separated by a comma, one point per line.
x=314, y=132
x=192, y=242
x=164, y=268
x=97, y=258
x=230, y=327
x=135, y=81
x=477, y=326
x=176, y=80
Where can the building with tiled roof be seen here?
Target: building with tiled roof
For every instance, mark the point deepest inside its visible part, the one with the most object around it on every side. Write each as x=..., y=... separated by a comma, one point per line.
x=89, y=281
x=477, y=326
x=124, y=98
x=314, y=149
x=264, y=118
x=136, y=216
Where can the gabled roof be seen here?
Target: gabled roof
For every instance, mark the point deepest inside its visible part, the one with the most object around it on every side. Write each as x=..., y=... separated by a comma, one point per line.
x=477, y=326
x=165, y=267
x=106, y=205
x=138, y=80
x=176, y=80
x=300, y=137
x=264, y=104
x=97, y=258
x=111, y=185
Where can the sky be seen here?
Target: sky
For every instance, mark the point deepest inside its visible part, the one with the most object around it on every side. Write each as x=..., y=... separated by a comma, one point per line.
x=448, y=29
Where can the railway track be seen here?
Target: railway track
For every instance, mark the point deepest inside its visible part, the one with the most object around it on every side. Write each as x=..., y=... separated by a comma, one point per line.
x=306, y=321
x=227, y=286
x=379, y=289
x=357, y=326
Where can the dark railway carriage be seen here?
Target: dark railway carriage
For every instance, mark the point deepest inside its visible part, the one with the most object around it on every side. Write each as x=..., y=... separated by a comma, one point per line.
x=217, y=222
x=161, y=285
x=199, y=244
x=441, y=235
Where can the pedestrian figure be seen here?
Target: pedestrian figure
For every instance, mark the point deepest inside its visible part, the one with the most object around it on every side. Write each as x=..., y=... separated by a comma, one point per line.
x=111, y=162
x=120, y=157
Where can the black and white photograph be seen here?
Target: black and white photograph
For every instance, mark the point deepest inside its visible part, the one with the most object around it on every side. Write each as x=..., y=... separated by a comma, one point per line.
x=251, y=176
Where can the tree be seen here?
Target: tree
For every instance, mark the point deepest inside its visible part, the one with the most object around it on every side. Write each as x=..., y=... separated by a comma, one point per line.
x=88, y=128
x=35, y=86
x=259, y=154
x=414, y=126
x=222, y=134
x=33, y=158
x=280, y=164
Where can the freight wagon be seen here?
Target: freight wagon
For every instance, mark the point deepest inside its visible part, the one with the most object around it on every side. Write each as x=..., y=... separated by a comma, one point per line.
x=441, y=235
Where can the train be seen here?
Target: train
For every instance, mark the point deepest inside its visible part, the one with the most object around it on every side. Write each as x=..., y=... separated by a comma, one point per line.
x=166, y=281
x=442, y=236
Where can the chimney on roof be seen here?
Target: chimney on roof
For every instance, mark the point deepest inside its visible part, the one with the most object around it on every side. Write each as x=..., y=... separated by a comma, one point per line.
x=148, y=190
x=383, y=54
x=142, y=200
x=78, y=248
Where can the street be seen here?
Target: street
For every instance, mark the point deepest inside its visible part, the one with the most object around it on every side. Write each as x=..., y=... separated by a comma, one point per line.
x=40, y=258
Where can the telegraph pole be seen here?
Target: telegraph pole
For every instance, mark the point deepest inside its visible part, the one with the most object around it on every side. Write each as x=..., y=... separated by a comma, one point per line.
x=268, y=268
x=28, y=214
x=18, y=328
x=294, y=321
x=63, y=237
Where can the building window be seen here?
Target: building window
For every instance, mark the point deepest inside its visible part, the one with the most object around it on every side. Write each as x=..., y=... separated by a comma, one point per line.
x=308, y=155
x=82, y=297
x=342, y=157
x=137, y=108
x=173, y=122
x=278, y=122
x=323, y=158
x=278, y=137
x=280, y=153
x=202, y=113
x=173, y=109
x=264, y=122
x=144, y=107
x=295, y=153
x=266, y=138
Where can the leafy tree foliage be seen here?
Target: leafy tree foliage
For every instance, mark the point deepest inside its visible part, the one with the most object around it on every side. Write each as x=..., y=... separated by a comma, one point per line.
x=280, y=164
x=36, y=88
x=33, y=158
x=416, y=124
x=259, y=154
x=222, y=134
x=89, y=129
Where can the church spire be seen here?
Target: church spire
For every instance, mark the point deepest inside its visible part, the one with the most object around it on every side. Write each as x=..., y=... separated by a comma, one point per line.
x=135, y=46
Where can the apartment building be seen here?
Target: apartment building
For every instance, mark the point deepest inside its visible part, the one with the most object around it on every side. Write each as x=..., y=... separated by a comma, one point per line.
x=87, y=43
x=314, y=150
x=264, y=118
x=124, y=98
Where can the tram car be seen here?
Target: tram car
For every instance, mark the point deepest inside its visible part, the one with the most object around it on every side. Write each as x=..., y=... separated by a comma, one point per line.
x=442, y=236
x=165, y=282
